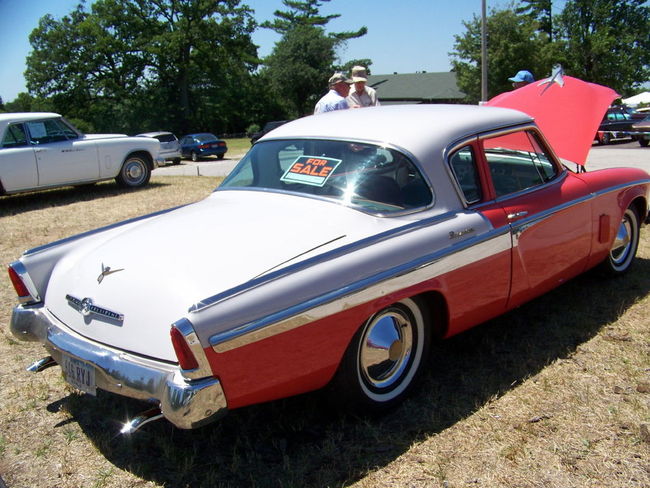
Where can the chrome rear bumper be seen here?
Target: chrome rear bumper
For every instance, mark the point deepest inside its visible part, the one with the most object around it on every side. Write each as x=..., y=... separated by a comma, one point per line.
x=185, y=403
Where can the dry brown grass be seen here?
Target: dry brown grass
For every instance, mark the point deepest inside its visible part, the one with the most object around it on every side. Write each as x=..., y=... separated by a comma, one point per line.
x=554, y=394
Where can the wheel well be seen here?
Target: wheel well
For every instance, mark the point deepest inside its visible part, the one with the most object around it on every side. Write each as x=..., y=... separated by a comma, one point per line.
x=141, y=154
x=641, y=207
x=436, y=312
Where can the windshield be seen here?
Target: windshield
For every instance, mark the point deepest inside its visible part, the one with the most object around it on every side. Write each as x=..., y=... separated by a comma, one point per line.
x=375, y=178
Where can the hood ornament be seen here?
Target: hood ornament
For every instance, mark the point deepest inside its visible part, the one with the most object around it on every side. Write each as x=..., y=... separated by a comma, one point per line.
x=106, y=270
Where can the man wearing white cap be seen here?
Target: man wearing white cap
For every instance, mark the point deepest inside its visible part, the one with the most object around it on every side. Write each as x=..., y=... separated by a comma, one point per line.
x=362, y=95
x=334, y=99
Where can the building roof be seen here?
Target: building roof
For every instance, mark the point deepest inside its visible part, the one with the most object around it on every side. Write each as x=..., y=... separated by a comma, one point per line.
x=416, y=87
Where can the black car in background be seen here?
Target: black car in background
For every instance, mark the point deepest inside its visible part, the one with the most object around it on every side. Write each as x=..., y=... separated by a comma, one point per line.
x=268, y=127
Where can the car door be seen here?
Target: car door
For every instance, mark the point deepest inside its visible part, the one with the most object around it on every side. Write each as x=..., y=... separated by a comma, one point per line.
x=62, y=156
x=18, y=169
x=548, y=211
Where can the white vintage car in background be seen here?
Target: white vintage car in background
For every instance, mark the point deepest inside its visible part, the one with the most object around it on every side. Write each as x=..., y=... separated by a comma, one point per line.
x=335, y=252
x=43, y=150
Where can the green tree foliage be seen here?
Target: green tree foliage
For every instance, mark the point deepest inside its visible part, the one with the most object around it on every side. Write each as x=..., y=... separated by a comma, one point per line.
x=304, y=58
x=607, y=42
x=135, y=65
x=601, y=41
x=540, y=11
x=513, y=44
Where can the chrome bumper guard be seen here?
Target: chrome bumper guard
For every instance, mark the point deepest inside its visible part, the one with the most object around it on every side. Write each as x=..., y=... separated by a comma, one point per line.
x=185, y=403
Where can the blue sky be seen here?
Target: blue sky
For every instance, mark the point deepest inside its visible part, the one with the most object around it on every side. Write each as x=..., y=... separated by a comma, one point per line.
x=403, y=36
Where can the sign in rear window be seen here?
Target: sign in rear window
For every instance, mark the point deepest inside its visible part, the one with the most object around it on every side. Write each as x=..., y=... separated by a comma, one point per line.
x=310, y=170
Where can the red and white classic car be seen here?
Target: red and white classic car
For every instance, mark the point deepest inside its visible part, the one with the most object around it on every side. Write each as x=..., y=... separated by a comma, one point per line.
x=334, y=253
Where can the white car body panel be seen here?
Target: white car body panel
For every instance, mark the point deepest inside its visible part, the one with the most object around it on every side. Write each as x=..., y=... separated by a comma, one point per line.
x=85, y=159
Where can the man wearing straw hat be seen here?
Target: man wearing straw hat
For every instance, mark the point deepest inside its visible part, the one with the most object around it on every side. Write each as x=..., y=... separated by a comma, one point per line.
x=362, y=95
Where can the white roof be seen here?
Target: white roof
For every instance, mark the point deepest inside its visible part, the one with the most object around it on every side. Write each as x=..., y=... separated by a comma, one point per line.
x=24, y=116
x=419, y=129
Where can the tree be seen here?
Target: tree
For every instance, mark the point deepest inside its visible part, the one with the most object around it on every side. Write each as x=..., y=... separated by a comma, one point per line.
x=146, y=64
x=303, y=60
x=513, y=44
x=607, y=42
x=540, y=11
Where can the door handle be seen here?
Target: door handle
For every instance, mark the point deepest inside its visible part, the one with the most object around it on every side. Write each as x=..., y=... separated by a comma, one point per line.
x=517, y=215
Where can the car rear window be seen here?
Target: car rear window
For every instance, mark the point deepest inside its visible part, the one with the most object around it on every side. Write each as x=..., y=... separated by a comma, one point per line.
x=166, y=137
x=373, y=178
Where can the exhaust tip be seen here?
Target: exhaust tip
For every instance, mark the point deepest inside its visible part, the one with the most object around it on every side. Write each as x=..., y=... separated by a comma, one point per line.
x=141, y=420
x=41, y=364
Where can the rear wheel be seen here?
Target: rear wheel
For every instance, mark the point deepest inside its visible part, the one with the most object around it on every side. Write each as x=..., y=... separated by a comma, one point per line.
x=644, y=142
x=623, y=250
x=135, y=172
x=384, y=359
x=606, y=139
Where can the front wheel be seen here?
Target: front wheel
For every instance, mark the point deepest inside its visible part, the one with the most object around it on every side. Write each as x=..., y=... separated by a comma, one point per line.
x=384, y=359
x=135, y=172
x=623, y=250
x=195, y=157
x=644, y=142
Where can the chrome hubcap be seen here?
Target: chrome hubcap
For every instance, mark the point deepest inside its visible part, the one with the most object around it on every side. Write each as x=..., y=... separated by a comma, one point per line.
x=386, y=348
x=622, y=242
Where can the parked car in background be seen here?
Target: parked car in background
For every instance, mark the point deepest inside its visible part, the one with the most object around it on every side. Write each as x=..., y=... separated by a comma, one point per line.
x=616, y=124
x=170, y=147
x=197, y=146
x=41, y=150
x=268, y=127
x=336, y=251
x=640, y=131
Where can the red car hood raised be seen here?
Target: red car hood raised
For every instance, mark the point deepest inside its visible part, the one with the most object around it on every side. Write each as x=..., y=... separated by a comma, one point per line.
x=567, y=110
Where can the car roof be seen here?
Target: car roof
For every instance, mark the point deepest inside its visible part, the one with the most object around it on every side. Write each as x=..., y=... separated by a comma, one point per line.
x=154, y=134
x=416, y=128
x=25, y=116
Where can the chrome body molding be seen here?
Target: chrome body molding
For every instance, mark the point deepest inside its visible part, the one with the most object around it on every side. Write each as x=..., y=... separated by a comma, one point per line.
x=363, y=291
x=185, y=403
x=321, y=258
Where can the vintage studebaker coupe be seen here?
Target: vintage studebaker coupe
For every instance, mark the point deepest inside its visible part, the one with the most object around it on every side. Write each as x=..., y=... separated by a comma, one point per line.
x=335, y=252
x=41, y=150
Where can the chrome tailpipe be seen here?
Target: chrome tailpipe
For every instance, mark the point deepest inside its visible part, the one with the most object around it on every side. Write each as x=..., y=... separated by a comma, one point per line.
x=142, y=419
x=41, y=364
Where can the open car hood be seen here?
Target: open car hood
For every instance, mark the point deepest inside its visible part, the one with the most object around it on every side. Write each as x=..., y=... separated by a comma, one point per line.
x=567, y=110
x=153, y=272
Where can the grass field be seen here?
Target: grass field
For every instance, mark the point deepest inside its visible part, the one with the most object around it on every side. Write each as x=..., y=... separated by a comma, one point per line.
x=554, y=394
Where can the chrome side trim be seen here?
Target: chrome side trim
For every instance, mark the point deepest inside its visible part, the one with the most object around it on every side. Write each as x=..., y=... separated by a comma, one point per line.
x=362, y=291
x=185, y=403
x=329, y=255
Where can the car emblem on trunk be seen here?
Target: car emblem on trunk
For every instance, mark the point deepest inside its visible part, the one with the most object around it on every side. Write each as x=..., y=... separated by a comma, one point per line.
x=87, y=308
x=106, y=270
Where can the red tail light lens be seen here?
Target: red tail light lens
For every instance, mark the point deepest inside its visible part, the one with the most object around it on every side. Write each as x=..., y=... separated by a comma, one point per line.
x=19, y=286
x=186, y=358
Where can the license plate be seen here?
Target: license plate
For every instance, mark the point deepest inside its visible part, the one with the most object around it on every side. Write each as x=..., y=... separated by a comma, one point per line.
x=79, y=374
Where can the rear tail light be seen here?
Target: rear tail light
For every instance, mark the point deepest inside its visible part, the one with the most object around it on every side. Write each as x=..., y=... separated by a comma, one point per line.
x=21, y=288
x=186, y=358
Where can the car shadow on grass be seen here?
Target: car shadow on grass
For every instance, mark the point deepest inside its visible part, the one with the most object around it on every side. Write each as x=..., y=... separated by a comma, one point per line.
x=301, y=441
x=26, y=202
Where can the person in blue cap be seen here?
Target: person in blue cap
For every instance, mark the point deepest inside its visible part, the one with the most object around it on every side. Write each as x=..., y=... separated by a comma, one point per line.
x=522, y=78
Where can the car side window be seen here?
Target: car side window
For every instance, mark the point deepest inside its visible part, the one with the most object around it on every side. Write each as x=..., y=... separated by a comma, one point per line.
x=517, y=162
x=463, y=165
x=14, y=136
